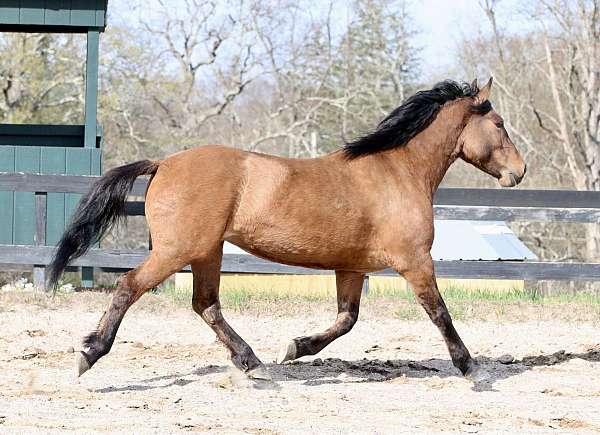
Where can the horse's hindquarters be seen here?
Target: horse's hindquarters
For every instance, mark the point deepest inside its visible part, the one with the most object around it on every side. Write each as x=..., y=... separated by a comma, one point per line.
x=190, y=200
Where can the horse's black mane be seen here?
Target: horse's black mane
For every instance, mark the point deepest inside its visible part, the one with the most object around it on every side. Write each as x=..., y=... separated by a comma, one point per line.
x=411, y=117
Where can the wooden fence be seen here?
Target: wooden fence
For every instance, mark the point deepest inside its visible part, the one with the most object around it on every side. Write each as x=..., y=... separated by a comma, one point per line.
x=449, y=203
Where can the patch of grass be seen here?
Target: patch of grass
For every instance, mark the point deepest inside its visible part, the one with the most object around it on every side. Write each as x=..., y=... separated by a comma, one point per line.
x=456, y=293
x=243, y=298
x=584, y=298
x=390, y=291
x=463, y=303
x=240, y=299
x=483, y=294
x=409, y=311
x=178, y=296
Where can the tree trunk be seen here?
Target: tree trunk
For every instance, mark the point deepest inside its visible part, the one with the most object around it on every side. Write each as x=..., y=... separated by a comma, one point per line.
x=593, y=242
x=593, y=230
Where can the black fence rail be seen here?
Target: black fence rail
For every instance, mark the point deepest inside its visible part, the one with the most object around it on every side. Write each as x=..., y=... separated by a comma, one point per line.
x=449, y=203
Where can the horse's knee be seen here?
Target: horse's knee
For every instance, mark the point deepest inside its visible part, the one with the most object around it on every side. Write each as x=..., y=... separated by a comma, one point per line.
x=210, y=313
x=198, y=307
x=207, y=308
x=346, y=322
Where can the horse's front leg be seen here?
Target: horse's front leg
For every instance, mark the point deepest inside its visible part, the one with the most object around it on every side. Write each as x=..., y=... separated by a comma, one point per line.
x=349, y=288
x=421, y=278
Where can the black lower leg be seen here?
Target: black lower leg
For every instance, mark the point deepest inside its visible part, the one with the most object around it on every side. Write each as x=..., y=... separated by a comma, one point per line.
x=349, y=288
x=242, y=355
x=313, y=344
x=98, y=343
x=205, y=302
x=439, y=315
x=461, y=358
x=422, y=280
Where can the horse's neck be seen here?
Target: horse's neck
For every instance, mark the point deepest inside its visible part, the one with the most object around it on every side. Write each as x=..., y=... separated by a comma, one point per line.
x=429, y=154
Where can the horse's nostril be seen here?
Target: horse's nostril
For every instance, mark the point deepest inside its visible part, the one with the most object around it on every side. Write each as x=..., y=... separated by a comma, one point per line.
x=524, y=168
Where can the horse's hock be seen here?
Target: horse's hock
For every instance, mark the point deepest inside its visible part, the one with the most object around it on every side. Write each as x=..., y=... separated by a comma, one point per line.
x=51, y=149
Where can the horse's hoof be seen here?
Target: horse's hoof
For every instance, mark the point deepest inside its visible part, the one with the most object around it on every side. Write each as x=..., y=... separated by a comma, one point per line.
x=259, y=373
x=477, y=374
x=287, y=352
x=81, y=364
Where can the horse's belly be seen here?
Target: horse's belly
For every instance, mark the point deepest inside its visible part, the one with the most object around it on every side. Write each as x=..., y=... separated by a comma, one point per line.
x=314, y=249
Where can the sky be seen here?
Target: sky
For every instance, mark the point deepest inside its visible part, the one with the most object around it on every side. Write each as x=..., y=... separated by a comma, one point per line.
x=441, y=25
x=444, y=23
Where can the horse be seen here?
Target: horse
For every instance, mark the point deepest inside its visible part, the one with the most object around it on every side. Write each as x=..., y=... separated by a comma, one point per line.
x=363, y=208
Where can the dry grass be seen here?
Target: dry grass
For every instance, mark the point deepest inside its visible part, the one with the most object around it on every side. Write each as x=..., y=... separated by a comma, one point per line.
x=393, y=301
x=382, y=301
x=324, y=285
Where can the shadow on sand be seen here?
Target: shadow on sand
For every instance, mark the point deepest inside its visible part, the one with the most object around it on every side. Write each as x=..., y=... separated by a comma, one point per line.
x=319, y=372
x=176, y=379
x=328, y=371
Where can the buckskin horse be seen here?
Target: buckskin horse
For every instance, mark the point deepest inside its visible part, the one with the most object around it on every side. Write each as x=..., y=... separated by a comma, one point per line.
x=362, y=208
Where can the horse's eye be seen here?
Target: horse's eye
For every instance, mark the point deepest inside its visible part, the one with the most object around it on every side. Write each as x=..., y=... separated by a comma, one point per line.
x=500, y=124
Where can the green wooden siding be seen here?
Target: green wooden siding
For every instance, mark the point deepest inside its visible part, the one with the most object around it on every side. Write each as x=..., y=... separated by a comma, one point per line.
x=17, y=209
x=54, y=162
x=79, y=162
x=9, y=12
x=91, y=88
x=46, y=135
x=81, y=14
x=30, y=12
x=48, y=13
x=7, y=164
x=27, y=159
x=101, y=13
x=57, y=12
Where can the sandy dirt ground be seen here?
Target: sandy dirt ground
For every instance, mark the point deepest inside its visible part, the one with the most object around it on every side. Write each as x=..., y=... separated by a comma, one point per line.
x=166, y=373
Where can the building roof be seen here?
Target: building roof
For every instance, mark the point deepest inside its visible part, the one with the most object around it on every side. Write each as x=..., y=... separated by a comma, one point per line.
x=465, y=240
x=477, y=240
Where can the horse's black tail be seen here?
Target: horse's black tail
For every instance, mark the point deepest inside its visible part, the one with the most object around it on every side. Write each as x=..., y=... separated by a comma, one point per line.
x=97, y=211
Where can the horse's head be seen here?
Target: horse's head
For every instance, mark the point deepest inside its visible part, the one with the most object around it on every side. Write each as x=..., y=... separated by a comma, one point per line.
x=485, y=144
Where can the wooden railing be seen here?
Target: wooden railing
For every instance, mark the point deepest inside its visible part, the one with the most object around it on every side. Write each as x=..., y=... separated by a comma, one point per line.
x=450, y=203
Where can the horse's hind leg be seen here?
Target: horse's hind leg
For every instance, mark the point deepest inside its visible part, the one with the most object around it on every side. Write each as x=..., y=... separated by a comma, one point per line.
x=349, y=288
x=205, y=301
x=131, y=287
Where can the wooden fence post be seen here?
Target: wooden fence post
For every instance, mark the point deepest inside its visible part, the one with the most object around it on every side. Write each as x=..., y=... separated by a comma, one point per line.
x=91, y=108
x=87, y=277
x=39, y=270
x=365, y=286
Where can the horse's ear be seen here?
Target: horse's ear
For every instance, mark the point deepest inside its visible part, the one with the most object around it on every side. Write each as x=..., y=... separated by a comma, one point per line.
x=474, y=84
x=484, y=93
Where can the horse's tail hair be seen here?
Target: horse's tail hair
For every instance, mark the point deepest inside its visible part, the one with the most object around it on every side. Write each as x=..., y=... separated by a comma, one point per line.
x=97, y=211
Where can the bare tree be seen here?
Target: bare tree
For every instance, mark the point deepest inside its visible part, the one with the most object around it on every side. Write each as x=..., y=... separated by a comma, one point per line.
x=39, y=74
x=572, y=70
x=533, y=95
x=195, y=42
x=550, y=94
x=327, y=87
x=171, y=76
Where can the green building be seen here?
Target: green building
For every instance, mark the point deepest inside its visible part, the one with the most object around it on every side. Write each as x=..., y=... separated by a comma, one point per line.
x=51, y=149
